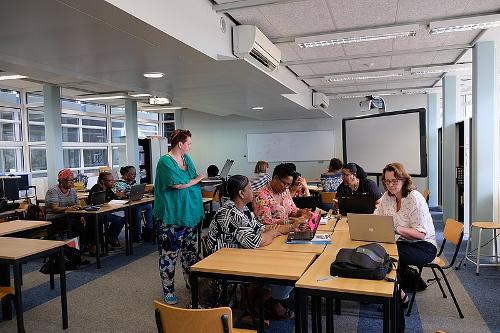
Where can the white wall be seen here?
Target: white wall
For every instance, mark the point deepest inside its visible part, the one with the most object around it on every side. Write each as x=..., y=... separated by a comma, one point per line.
x=217, y=138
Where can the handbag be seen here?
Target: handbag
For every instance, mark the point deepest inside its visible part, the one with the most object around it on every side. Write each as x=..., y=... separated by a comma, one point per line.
x=369, y=261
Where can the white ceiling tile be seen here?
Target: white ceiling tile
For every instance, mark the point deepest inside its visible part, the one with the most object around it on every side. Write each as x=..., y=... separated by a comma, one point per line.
x=368, y=47
x=461, y=37
x=318, y=52
x=422, y=40
x=467, y=57
x=483, y=6
x=330, y=67
x=410, y=84
x=370, y=63
x=366, y=87
x=253, y=16
x=299, y=18
x=408, y=60
x=350, y=14
x=314, y=82
x=301, y=70
x=335, y=90
x=288, y=52
x=443, y=57
x=426, y=10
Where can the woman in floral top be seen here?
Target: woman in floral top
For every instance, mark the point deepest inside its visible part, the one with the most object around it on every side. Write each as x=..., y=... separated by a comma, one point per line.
x=273, y=203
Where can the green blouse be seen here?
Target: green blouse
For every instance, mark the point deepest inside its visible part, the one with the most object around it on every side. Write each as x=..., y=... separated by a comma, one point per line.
x=182, y=207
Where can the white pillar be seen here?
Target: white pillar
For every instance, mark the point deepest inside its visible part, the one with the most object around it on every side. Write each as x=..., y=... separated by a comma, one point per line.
x=132, y=136
x=450, y=107
x=53, y=131
x=432, y=148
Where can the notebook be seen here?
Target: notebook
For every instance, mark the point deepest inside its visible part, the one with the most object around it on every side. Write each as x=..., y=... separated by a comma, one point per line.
x=371, y=228
x=136, y=192
x=358, y=204
x=221, y=177
x=312, y=225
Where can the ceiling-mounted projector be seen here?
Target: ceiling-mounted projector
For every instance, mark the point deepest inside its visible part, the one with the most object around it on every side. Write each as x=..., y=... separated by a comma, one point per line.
x=372, y=103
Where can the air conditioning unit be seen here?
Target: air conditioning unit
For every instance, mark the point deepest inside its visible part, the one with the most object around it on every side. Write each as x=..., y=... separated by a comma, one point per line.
x=320, y=101
x=251, y=44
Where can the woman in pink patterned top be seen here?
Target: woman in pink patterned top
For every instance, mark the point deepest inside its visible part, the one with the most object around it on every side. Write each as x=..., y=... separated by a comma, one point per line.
x=273, y=203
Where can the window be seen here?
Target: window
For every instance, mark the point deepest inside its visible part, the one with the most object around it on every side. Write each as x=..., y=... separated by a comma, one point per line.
x=117, y=111
x=168, y=128
x=117, y=131
x=36, y=127
x=70, y=129
x=119, y=156
x=147, y=115
x=71, y=158
x=145, y=130
x=94, y=130
x=68, y=104
x=34, y=97
x=95, y=157
x=38, y=158
x=10, y=124
x=10, y=96
x=10, y=159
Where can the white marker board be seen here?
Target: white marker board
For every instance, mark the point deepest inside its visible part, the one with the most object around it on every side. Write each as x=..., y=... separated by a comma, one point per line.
x=290, y=146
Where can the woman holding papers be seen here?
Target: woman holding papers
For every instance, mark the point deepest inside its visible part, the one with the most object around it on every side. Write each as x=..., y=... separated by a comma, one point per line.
x=178, y=204
x=412, y=220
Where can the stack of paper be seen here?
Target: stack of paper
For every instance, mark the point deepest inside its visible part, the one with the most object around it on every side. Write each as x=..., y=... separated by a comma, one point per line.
x=318, y=239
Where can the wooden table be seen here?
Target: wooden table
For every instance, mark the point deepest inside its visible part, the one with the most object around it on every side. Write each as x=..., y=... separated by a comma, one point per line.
x=329, y=226
x=262, y=267
x=279, y=244
x=17, y=251
x=20, y=226
x=315, y=283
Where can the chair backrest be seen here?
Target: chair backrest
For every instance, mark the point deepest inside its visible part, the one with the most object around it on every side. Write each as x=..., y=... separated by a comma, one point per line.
x=170, y=319
x=426, y=195
x=453, y=231
x=327, y=197
x=207, y=194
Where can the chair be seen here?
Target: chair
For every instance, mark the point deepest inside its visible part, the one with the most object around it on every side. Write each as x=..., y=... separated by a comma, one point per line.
x=327, y=197
x=7, y=295
x=170, y=319
x=453, y=233
x=426, y=195
x=481, y=226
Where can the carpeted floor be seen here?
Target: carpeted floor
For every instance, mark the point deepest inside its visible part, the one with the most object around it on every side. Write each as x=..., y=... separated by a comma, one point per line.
x=118, y=298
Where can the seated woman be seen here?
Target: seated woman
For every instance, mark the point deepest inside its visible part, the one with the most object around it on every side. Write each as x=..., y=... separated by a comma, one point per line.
x=234, y=226
x=123, y=185
x=273, y=203
x=331, y=179
x=299, y=187
x=416, y=237
x=356, y=183
x=260, y=178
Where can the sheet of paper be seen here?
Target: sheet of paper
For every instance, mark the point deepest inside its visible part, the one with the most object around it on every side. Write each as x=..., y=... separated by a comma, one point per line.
x=117, y=202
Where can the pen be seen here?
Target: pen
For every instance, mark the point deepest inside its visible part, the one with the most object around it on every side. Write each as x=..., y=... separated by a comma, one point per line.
x=326, y=278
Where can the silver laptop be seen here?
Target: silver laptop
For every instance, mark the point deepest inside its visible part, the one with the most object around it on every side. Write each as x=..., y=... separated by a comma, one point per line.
x=136, y=192
x=371, y=228
x=222, y=176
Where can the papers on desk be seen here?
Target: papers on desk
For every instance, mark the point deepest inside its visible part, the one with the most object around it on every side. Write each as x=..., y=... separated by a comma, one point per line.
x=318, y=239
x=324, y=220
x=117, y=202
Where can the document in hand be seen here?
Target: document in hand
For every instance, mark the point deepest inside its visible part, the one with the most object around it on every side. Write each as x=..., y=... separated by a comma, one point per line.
x=317, y=240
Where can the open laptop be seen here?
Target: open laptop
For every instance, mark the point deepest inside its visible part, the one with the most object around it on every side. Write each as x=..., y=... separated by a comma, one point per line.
x=95, y=200
x=221, y=177
x=136, y=192
x=312, y=225
x=371, y=228
x=358, y=204
x=307, y=202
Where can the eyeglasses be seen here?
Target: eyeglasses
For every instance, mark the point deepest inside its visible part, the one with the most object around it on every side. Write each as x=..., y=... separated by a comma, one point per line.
x=285, y=184
x=392, y=181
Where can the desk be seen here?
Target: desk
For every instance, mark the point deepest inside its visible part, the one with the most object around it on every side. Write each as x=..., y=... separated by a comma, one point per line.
x=374, y=291
x=20, y=226
x=279, y=244
x=328, y=226
x=276, y=267
x=17, y=251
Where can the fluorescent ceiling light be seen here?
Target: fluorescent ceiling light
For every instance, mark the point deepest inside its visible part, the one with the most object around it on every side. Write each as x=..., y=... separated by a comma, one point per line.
x=465, y=24
x=159, y=108
x=258, y=108
x=101, y=97
x=11, y=77
x=159, y=101
x=139, y=95
x=363, y=76
x=154, y=75
x=357, y=36
x=438, y=69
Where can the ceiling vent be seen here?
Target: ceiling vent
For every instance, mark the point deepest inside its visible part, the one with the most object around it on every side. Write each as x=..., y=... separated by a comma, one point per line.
x=320, y=101
x=251, y=44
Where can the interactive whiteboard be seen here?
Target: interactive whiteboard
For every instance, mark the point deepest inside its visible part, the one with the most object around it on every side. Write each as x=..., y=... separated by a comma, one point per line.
x=290, y=146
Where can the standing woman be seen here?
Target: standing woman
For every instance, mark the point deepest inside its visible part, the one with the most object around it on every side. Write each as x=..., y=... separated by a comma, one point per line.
x=179, y=206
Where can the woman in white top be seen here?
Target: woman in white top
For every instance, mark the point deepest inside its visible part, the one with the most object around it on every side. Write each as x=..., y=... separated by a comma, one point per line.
x=416, y=238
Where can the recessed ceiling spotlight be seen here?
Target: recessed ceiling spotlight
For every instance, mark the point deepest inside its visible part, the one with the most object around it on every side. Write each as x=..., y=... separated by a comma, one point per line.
x=154, y=75
x=258, y=108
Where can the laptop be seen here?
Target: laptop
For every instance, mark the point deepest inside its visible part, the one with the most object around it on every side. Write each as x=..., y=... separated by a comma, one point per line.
x=312, y=225
x=221, y=177
x=95, y=200
x=136, y=192
x=358, y=204
x=371, y=228
x=307, y=202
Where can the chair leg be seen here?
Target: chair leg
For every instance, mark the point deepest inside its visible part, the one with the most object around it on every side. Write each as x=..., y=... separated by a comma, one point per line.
x=414, y=291
x=466, y=256
x=451, y=293
x=496, y=246
x=478, y=253
x=438, y=280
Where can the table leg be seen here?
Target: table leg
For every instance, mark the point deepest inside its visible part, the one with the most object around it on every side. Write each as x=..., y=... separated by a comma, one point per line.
x=5, y=281
x=297, y=310
x=338, y=306
x=329, y=315
x=194, y=289
x=387, y=320
x=127, y=232
x=303, y=312
x=51, y=270
x=97, y=244
x=62, y=281
x=314, y=312
x=18, y=298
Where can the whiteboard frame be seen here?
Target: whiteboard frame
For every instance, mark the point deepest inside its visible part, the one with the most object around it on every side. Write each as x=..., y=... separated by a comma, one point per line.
x=295, y=158
x=423, y=138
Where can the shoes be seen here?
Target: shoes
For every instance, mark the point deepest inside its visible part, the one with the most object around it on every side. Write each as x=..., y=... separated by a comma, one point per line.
x=114, y=243
x=84, y=261
x=170, y=299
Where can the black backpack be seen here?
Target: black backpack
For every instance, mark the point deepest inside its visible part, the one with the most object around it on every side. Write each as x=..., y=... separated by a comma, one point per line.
x=369, y=261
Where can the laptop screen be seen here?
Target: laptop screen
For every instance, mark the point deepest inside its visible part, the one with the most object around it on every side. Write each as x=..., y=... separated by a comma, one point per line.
x=225, y=169
x=313, y=221
x=359, y=204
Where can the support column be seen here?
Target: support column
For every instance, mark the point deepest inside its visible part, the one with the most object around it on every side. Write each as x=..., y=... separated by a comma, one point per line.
x=432, y=148
x=53, y=131
x=484, y=137
x=450, y=107
x=132, y=136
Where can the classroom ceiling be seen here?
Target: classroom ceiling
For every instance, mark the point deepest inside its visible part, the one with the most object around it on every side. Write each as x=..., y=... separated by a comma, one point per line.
x=94, y=47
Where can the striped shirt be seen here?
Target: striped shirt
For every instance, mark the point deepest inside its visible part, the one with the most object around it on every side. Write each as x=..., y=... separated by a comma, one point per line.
x=232, y=227
x=259, y=180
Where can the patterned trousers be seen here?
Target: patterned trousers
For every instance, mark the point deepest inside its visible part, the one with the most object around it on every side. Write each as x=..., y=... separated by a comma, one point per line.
x=175, y=239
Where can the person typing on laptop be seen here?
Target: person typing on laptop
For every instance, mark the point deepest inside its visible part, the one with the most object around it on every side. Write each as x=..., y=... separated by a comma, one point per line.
x=416, y=237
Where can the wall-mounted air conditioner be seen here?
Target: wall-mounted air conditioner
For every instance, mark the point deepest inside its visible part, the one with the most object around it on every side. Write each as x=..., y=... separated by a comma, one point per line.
x=320, y=101
x=251, y=44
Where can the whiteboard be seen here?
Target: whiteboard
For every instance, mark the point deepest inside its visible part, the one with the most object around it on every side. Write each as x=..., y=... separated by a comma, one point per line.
x=290, y=146
x=374, y=141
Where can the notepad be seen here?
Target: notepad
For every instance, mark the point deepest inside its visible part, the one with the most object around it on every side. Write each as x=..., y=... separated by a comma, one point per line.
x=118, y=202
x=324, y=220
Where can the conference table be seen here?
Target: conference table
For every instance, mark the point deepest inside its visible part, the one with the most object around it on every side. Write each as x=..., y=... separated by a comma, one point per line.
x=19, y=227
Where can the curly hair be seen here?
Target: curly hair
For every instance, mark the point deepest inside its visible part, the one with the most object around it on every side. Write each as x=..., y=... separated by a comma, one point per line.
x=400, y=173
